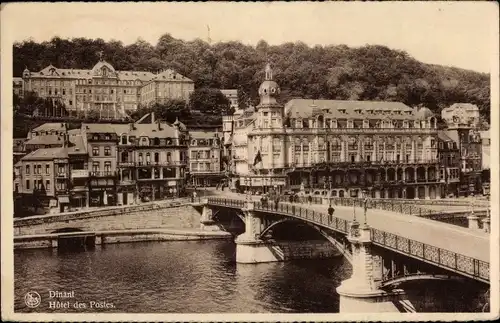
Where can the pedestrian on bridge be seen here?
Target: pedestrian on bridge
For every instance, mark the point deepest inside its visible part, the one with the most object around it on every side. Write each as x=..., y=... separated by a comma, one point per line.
x=309, y=199
x=330, y=213
x=276, y=202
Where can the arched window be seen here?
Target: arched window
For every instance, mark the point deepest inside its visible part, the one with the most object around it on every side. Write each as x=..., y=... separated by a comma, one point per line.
x=124, y=139
x=144, y=141
x=169, y=157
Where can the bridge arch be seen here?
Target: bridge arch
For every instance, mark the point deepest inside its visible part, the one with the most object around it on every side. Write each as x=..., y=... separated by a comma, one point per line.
x=344, y=247
x=395, y=281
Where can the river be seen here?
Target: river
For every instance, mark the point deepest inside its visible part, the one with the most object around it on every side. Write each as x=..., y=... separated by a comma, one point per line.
x=180, y=277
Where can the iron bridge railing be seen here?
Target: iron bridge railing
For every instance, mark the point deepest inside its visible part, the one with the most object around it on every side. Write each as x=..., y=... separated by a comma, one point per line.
x=443, y=258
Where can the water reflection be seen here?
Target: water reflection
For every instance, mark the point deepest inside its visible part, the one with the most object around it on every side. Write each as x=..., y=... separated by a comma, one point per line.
x=182, y=277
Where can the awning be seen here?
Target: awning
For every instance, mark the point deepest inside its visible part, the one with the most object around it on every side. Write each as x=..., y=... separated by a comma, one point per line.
x=63, y=199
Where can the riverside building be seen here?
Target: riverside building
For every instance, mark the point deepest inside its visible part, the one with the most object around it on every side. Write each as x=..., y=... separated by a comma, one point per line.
x=336, y=148
x=103, y=165
x=109, y=92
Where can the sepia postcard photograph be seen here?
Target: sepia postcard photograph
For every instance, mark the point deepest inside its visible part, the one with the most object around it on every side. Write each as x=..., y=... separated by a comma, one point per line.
x=250, y=161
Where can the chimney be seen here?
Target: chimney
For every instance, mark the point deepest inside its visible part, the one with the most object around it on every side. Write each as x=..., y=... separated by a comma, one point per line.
x=159, y=124
x=152, y=117
x=131, y=126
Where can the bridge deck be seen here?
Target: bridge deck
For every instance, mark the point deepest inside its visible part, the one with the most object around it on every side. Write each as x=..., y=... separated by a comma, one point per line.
x=475, y=244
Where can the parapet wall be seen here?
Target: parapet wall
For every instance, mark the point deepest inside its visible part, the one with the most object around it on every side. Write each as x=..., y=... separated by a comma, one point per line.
x=149, y=216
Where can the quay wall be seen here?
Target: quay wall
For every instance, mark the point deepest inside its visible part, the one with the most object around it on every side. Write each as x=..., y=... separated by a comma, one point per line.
x=149, y=216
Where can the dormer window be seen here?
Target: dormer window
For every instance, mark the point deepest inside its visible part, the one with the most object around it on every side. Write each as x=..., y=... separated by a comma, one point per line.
x=108, y=137
x=144, y=141
x=358, y=111
x=95, y=137
x=193, y=142
x=366, y=124
x=342, y=111
x=124, y=140
x=350, y=123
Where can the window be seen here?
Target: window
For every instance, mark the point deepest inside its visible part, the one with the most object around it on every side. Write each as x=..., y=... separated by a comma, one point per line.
x=124, y=140
x=27, y=184
x=108, y=137
x=39, y=169
x=60, y=169
x=157, y=157
x=107, y=166
x=47, y=169
x=47, y=185
x=169, y=157
x=27, y=169
x=148, y=158
x=95, y=151
x=353, y=158
x=107, y=151
x=95, y=167
x=70, y=102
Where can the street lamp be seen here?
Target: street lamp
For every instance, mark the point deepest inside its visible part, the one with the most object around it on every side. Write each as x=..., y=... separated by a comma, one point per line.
x=365, y=205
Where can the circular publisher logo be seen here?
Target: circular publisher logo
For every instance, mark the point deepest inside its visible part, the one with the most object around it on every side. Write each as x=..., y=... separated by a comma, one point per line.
x=32, y=299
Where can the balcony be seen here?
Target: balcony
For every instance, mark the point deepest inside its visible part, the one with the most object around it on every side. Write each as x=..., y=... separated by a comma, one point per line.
x=343, y=131
x=79, y=173
x=126, y=164
x=61, y=175
x=103, y=173
x=161, y=163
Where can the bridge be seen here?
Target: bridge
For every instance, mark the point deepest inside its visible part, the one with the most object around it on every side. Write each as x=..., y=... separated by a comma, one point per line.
x=385, y=248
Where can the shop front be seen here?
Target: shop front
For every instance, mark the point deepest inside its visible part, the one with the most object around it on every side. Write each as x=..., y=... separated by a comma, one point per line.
x=102, y=197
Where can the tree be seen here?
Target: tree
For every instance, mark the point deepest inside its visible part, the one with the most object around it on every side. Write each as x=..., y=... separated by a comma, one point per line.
x=209, y=101
x=330, y=72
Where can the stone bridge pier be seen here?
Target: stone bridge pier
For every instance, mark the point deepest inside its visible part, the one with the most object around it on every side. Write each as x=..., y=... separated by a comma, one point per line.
x=251, y=248
x=360, y=293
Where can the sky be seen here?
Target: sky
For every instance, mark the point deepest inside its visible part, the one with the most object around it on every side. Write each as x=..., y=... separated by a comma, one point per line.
x=461, y=34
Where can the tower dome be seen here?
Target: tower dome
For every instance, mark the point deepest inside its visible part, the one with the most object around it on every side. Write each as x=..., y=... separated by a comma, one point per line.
x=269, y=89
x=26, y=72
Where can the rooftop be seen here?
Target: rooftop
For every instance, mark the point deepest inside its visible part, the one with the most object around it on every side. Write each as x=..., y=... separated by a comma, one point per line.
x=47, y=154
x=349, y=109
x=50, y=126
x=45, y=140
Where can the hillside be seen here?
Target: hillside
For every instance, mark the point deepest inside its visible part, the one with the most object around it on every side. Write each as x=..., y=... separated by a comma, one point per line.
x=319, y=72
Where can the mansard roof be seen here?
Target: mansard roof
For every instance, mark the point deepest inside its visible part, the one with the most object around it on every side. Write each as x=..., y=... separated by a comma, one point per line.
x=143, y=76
x=346, y=109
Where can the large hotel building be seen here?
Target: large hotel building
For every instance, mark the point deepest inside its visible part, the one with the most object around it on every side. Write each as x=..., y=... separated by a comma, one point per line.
x=103, y=89
x=337, y=148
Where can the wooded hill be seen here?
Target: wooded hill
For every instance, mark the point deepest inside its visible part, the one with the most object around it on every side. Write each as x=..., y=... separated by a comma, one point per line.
x=321, y=72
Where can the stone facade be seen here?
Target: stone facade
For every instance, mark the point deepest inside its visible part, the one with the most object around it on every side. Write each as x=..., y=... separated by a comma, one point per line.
x=337, y=148
x=109, y=92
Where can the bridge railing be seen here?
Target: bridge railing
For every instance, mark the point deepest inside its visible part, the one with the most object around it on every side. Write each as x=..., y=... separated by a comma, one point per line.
x=226, y=202
x=432, y=254
x=441, y=257
x=304, y=213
